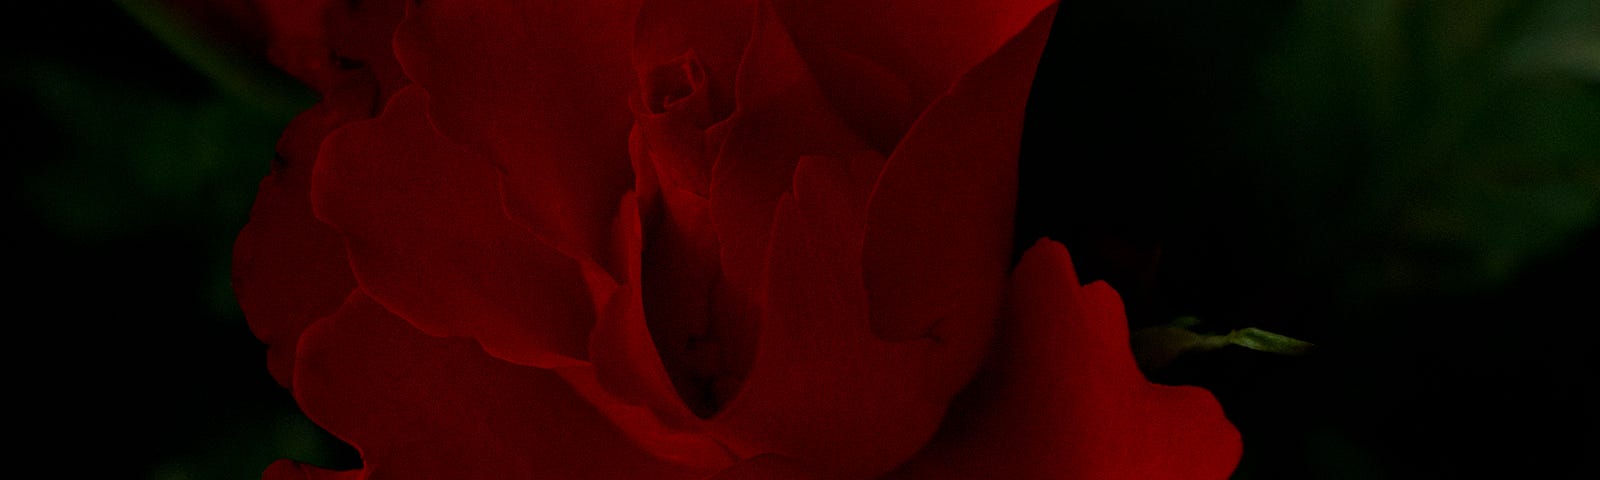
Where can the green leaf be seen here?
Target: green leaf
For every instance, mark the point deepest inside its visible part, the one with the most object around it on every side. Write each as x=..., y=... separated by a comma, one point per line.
x=1157, y=347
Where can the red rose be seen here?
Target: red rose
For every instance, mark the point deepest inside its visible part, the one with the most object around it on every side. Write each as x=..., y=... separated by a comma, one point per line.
x=686, y=239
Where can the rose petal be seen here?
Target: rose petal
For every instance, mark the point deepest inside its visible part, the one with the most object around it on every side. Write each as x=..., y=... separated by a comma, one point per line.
x=678, y=279
x=328, y=43
x=781, y=115
x=428, y=238
x=1063, y=397
x=816, y=335
x=297, y=40
x=291, y=470
x=687, y=54
x=628, y=382
x=926, y=43
x=361, y=36
x=646, y=183
x=672, y=113
x=673, y=110
x=629, y=387
x=716, y=31
x=290, y=269
x=768, y=467
x=876, y=103
x=940, y=225
x=823, y=389
x=541, y=89
x=421, y=407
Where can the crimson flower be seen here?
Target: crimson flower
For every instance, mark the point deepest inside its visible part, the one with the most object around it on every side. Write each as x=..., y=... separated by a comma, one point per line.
x=686, y=239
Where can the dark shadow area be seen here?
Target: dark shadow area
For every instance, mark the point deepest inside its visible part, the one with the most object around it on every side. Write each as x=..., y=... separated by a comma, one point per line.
x=1412, y=187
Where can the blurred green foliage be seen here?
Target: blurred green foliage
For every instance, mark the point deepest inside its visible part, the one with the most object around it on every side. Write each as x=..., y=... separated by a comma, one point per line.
x=134, y=161
x=1414, y=186
x=128, y=153
x=1456, y=141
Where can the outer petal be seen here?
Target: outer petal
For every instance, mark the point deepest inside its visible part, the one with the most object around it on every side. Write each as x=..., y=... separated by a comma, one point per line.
x=939, y=231
x=329, y=43
x=421, y=407
x=1063, y=397
x=298, y=41
x=880, y=62
x=291, y=470
x=541, y=89
x=288, y=268
x=361, y=37
x=428, y=238
x=927, y=43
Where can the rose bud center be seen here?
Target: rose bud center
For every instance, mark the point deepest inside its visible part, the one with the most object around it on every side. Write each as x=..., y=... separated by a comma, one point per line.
x=674, y=109
x=702, y=328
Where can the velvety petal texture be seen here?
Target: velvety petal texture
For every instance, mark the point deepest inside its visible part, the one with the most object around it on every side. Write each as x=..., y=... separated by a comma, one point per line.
x=291, y=470
x=423, y=407
x=729, y=239
x=541, y=89
x=1063, y=398
x=290, y=269
x=939, y=226
x=429, y=239
x=334, y=44
x=926, y=44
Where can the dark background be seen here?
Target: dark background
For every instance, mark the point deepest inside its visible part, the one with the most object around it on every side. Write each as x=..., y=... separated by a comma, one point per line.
x=1412, y=185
